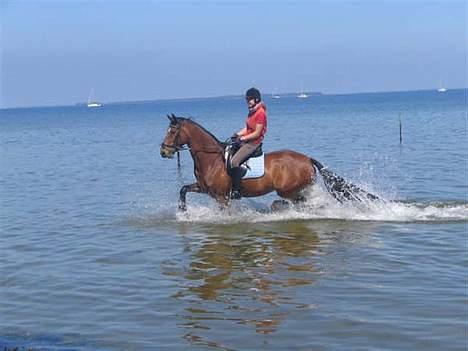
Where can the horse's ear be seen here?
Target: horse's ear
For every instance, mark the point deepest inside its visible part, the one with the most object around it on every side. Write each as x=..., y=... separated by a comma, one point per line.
x=172, y=119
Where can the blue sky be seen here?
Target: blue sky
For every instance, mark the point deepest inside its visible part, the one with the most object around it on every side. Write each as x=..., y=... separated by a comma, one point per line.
x=54, y=52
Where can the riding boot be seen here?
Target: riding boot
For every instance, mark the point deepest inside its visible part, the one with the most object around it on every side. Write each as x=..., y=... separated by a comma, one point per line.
x=236, y=175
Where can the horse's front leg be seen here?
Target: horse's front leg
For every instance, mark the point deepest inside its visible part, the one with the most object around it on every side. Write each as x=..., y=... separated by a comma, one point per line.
x=194, y=188
x=222, y=200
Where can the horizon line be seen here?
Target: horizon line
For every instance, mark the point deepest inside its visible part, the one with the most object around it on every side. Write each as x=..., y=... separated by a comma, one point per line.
x=225, y=96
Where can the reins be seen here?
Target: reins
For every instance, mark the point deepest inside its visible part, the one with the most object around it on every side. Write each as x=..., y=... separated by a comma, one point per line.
x=213, y=150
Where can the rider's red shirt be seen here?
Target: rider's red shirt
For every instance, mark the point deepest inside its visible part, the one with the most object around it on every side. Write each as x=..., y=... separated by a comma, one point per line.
x=258, y=117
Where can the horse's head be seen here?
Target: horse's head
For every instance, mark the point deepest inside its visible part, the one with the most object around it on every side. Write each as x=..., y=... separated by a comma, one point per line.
x=174, y=139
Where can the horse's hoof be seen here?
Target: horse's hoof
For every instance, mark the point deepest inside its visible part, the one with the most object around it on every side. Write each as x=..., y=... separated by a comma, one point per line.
x=182, y=207
x=279, y=205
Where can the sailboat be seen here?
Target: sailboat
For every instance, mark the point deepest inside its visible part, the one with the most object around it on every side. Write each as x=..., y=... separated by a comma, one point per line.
x=441, y=89
x=302, y=95
x=91, y=102
x=275, y=95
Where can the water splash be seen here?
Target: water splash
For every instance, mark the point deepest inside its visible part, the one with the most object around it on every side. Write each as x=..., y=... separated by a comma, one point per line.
x=321, y=206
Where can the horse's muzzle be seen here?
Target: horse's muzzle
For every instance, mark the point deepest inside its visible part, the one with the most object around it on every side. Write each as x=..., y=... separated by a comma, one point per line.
x=166, y=153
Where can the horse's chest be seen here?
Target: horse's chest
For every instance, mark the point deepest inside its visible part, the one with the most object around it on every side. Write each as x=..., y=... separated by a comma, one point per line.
x=211, y=179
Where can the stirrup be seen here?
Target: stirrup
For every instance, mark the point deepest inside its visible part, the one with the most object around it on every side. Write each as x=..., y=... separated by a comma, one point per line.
x=235, y=195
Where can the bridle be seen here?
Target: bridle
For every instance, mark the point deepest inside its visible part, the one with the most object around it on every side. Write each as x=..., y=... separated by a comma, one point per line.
x=177, y=147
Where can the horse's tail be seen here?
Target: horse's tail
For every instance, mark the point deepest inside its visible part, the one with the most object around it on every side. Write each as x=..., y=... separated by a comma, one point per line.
x=316, y=163
x=341, y=189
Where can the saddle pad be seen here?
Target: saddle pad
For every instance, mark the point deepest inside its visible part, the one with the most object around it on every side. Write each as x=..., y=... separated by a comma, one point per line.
x=256, y=167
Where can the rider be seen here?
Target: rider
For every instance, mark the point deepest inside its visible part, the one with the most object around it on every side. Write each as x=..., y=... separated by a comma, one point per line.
x=250, y=136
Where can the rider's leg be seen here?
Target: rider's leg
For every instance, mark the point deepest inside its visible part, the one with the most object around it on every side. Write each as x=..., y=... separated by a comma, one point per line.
x=243, y=154
x=236, y=173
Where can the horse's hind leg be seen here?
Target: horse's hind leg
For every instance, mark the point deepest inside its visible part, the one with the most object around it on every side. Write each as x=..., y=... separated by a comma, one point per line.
x=299, y=199
x=295, y=197
x=279, y=205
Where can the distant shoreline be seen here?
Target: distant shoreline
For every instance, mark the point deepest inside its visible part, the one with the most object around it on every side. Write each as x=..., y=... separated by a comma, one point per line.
x=284, y=94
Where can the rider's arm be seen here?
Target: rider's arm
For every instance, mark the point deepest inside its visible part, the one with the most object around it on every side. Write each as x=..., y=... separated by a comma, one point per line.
x=242, y=132
x=254, y=135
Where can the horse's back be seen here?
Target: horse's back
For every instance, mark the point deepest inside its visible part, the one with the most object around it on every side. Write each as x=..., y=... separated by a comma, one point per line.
x=288, y=172
x=289, y=161
x=284, y=151
x=287, y=155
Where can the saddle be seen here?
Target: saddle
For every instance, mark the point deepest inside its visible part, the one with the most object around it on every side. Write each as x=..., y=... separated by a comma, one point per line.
x=253, y=167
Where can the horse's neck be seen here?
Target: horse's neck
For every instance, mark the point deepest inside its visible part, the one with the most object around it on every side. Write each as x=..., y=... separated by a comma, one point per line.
x=200, y=140
x=205, y=150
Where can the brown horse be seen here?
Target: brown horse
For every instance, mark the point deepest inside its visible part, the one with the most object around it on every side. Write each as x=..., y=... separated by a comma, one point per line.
x=286, y=172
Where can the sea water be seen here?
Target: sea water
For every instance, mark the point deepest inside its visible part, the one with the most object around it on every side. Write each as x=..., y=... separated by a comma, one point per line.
x=94, y=254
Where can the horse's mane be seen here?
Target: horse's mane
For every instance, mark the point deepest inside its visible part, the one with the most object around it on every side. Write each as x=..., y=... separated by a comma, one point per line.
x=184, y=119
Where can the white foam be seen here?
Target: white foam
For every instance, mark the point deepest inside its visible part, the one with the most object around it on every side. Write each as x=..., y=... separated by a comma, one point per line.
x=322, y=206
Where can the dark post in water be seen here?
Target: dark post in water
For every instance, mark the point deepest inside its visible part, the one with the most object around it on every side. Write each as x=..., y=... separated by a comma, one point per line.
x=401, y=138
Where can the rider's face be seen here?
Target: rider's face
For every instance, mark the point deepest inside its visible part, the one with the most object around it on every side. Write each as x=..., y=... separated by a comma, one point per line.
x=250, y=102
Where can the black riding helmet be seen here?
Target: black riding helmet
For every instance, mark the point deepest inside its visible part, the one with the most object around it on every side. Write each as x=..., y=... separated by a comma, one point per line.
x=253, y=93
